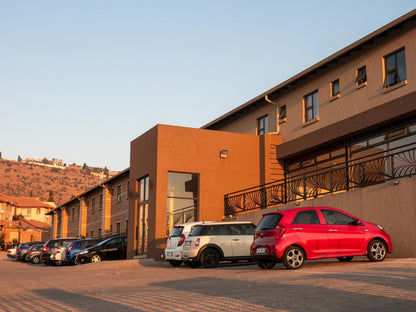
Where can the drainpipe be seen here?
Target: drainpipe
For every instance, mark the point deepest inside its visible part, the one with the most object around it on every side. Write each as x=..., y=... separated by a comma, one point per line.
x=266, y=97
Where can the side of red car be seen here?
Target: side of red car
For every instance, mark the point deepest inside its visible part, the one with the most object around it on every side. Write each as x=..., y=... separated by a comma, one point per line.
x=294, y=235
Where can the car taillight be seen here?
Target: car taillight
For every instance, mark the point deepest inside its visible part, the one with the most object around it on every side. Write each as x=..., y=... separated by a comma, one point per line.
x=30, y=252
x=182, y=239
x=280, y=230
x=197, y=242
x=46, y=248
x=70, y=247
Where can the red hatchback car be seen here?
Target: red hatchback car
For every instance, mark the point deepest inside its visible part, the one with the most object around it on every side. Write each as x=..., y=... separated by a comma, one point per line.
x=294, y=235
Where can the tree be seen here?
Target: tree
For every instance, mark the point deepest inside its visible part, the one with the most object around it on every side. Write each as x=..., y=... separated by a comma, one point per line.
x=19, y=158
x=0, y=156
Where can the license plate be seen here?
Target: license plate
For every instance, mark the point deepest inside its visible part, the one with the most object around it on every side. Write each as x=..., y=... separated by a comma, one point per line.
x=187, y=243
x=169, y=254
x=261, y=250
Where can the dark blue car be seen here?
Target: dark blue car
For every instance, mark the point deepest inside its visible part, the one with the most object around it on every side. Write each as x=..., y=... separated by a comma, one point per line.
x=78, y=245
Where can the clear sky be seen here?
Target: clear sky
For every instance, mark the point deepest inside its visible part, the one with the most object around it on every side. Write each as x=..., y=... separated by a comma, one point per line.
x=79, y=80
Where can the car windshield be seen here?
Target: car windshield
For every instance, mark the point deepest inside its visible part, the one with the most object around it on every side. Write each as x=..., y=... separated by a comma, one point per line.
x=176, y=231
x=269, y=222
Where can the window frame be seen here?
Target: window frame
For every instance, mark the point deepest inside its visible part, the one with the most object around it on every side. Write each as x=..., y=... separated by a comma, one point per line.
x=313, y=107
x=394, y=70
x=361, y=76
x=335, y=93
x=263, y=125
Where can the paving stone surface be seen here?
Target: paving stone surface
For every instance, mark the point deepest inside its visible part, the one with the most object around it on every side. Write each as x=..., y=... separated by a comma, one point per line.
x=148, y=285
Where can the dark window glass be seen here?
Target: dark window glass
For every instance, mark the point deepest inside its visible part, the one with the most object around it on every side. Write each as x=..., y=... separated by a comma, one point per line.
x=269, y=222
x=206, y=230
x=263, y=125
x=282, y=114
x=361, y=75
x=306, y=217
x=335, y=87
x=243, y=229
x=395, y=68
x=176, y=231
x=335, y=217
x=311, y=106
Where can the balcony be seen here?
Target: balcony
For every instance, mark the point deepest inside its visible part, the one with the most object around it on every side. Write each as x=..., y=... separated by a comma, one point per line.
x=370, y=170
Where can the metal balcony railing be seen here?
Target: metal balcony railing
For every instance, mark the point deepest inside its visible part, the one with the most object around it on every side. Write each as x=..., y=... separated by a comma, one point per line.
x=362, y=172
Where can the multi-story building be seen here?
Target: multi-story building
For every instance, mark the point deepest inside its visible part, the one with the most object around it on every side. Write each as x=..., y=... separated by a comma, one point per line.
x=98, y=212
x=341, y=133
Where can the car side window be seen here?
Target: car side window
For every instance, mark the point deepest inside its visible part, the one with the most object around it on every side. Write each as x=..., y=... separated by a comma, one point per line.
x=215, y=230
x=306, y=217
x=242, y=229
x=335, y=217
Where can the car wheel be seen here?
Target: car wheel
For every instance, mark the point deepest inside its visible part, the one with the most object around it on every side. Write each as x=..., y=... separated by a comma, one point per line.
x=58, y=263
x=96, y=258
x=175, y=263
x=376, y=250
x=193, y=264
x=210, y=258
x=345, y=259
x=35, y=260
x=266, y=265
x=76, y=261
x=293, y=257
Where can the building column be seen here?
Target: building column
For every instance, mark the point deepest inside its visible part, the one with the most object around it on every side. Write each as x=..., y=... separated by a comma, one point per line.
x=82, y=218
x=106, y=211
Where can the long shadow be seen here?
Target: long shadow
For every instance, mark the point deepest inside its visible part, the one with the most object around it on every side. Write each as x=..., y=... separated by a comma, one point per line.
x=289, y=297
x=81, y=302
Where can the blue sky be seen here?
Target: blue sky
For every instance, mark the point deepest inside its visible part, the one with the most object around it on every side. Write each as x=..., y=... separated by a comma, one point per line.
x=79, y=80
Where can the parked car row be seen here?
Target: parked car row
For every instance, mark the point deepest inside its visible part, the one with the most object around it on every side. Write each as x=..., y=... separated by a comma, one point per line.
x=289, y=236
x=71, y=250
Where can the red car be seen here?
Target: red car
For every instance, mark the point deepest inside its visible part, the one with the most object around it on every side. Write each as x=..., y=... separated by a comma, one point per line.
x=294, y=235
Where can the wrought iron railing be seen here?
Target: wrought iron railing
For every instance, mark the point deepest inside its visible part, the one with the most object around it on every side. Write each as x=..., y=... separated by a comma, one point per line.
x=362, y=172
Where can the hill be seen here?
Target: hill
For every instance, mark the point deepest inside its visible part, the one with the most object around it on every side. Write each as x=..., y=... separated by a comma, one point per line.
x=18, y=178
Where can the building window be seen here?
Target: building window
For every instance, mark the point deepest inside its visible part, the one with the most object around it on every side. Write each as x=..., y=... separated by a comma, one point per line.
x=100, y=207
x=335, y=88
x=395, y=68
x=143, y=187
x=99, y=233
x=28, y=212
x=73, y=213
x=311, y=106
x=361, y=76
x=282, y=113
x=93, y=205
x=111, y=229
x=183, y=190
x=92, y=234
x=118, y=228
x=262, y=125
x=119, y=190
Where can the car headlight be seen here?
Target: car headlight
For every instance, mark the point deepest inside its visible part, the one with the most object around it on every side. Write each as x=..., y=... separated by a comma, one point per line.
x=380, y=227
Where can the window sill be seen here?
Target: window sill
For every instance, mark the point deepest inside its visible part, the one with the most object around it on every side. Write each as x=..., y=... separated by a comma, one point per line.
x=309, y=122
x=394, y=87
x=361, y=85
x=283, y=120
x=335, y=97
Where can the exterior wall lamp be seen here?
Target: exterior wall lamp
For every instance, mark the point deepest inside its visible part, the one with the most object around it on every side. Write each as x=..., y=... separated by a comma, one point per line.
x=224, y=153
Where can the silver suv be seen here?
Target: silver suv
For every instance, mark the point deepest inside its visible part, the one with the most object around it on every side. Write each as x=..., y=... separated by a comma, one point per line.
x=174, y=243
x=210, y=243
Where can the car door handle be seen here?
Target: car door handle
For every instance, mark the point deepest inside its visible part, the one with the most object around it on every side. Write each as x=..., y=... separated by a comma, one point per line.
x=297, y=229
x=333, y=230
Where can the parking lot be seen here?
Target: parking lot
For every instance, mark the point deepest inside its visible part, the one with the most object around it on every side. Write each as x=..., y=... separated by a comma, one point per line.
x=148, y=285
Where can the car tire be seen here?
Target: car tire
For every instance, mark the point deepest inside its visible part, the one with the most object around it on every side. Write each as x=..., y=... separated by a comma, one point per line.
x=266, y=265
x=193, y=264
x=376, y=250
x=175, y=263
x=35, y=260
x=95, y=258
x=210, y=258
x=76, y=261
x=293, y=257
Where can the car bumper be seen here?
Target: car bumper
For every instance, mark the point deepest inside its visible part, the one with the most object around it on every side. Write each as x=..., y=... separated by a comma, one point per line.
x=173, y=255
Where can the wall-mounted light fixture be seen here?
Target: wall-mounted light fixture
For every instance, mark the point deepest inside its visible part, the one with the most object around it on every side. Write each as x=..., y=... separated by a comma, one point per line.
x=396, y=182
x=224, y=153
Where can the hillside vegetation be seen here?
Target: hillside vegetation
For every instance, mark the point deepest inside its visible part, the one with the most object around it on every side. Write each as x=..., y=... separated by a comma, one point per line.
x=23, y=179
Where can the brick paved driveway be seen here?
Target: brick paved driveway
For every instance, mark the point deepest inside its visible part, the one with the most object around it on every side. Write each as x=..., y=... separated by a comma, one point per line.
x=147, y=285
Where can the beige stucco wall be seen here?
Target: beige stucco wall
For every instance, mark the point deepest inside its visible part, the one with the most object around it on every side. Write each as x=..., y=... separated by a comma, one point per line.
x=389, y=204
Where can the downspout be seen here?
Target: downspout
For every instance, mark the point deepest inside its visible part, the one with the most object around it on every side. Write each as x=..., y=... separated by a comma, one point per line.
x=266, y=97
